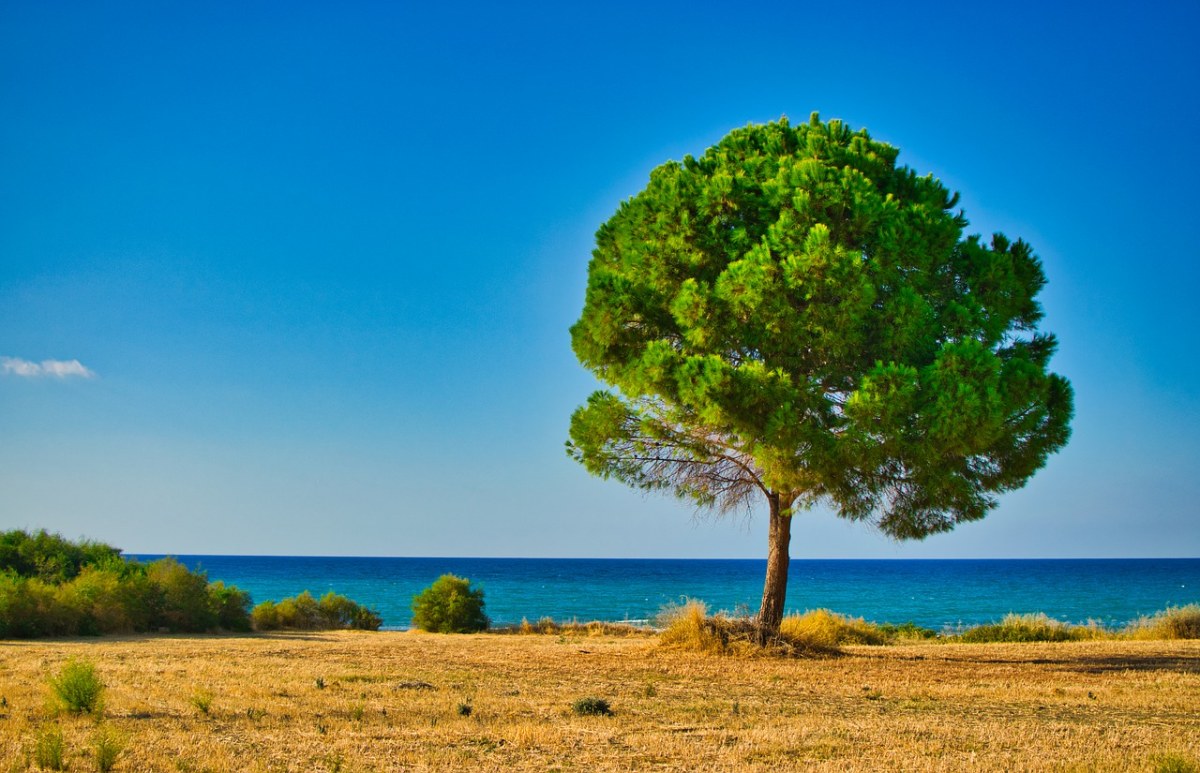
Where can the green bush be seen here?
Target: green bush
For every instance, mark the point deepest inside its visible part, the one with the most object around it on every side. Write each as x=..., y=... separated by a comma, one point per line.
x=30, y=607
x=340, y=612
x=48, y=749
x=450, y=605
x=52, y=587
x=77, y=688
x=185, y=602
x=50, y=557
x=305, y=613
x=596, y=707
x=107, y=744
x=230, y=604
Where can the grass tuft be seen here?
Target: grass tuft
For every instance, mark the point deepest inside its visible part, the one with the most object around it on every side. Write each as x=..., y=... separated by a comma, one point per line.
x=49, y=747
x=592, y=707
x=107, y=745
x=201, y=700
x=1028, y=628
x=689, y=627
x=77, y=688
x=547, y=626
x=1171, y=623
x=824, y=628
x=1174, y=763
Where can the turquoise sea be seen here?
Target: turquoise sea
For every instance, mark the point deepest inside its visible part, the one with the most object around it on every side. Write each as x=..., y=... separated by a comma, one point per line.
x=939, y=594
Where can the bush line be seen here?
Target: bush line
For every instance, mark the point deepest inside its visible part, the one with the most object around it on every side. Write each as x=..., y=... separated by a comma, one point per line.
x=50, y=586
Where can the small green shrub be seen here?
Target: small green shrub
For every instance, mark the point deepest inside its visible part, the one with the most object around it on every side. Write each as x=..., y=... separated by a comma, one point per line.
x=77, y=688
x=107, y=746
x=1028, y=628
x=49, y=747
x=592, y=707
x=1174, y=763
x=450, y=605
x=186, y=605
x=1171, y=623
x=201, y=700
x=465, y=709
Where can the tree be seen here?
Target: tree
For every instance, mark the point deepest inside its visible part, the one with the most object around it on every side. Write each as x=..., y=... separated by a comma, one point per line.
x=795, y=319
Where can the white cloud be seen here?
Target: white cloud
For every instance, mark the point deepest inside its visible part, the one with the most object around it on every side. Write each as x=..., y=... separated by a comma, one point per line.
x=15, y=366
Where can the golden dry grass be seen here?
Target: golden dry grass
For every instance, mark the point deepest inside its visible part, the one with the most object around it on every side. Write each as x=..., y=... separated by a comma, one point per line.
x=391, y=701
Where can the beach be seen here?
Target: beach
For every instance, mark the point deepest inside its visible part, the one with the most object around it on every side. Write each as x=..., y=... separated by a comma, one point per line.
x=357, y=701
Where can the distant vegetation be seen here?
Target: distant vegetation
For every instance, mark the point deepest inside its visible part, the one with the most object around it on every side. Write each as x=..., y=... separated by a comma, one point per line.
x=50, y=586
x=305, y=613
x=450, y=605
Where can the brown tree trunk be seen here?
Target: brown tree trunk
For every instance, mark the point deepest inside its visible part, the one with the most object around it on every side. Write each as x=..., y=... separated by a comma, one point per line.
x=770, y=614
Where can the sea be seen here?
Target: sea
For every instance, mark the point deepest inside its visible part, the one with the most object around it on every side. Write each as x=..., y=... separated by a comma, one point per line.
x=944, y=595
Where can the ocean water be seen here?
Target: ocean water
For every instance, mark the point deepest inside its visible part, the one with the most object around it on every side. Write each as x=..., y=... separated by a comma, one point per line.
x=938, y=594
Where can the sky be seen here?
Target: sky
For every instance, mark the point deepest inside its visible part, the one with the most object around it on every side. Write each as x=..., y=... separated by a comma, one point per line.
x=296, y=278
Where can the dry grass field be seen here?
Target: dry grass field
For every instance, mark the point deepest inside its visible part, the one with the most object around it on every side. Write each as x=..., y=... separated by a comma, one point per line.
x=411, y=701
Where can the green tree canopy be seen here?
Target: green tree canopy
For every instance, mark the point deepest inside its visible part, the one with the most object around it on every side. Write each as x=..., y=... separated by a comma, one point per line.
x=794, y=316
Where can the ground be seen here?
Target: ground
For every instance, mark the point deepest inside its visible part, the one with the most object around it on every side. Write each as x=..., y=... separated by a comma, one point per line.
x=412, y=701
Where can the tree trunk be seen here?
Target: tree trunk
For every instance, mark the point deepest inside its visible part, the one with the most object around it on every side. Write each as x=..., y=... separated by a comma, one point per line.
x=770, y=614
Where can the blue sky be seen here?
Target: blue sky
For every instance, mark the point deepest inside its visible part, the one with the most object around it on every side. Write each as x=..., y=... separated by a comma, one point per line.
x=296, y=278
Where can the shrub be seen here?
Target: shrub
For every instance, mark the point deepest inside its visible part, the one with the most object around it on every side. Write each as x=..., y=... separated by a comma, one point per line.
x=51, y=587
x=30, y=607
x=185, y=601
x=201, y=700
x=48, y=748
x=597, y=707
x=78, y=688
x=1171, y=623
x=49, y=557
x=1174, y=763
x=231, y=606
x=265, y=616
x=300, y=611
x=107, y=745
x=305, y=613
x=340, y=612
x=450, y=605
x=829, y=629
x=1027, y=628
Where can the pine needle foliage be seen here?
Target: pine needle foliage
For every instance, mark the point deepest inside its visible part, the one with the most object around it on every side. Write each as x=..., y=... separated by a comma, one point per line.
x=793, y=318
